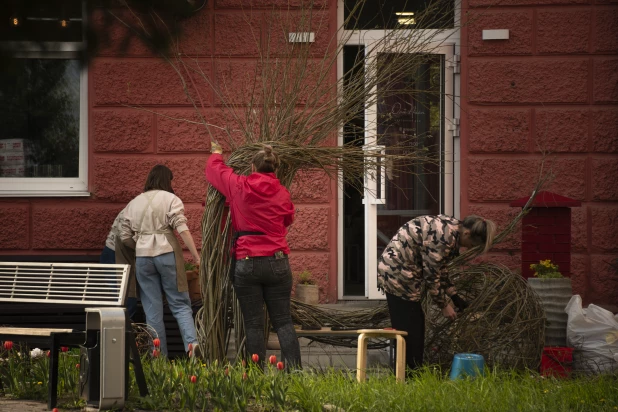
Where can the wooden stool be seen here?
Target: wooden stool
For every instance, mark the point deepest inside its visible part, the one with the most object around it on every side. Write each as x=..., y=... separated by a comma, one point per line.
x=361, y=358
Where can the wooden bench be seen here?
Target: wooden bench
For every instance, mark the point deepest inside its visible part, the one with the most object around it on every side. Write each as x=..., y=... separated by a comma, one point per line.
x=363, y=335
x=91, y=287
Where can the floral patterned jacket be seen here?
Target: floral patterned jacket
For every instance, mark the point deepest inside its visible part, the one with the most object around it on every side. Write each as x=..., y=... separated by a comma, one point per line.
x=419, y=253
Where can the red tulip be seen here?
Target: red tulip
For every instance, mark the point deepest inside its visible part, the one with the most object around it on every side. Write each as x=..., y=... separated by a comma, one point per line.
x=244, y=363
x=48, y=353
x=155, y=353
x=77, y=366
x=280, y=366
x=255, y=358
x=226, y=371
x=193, y=379
x=64, y=348
x=55, y=410
x=156, y=342
x=244, y=376
x=8, y=345
x=272, y=359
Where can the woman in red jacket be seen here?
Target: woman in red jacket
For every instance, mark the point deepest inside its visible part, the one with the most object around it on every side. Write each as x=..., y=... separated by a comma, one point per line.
x=261, y=211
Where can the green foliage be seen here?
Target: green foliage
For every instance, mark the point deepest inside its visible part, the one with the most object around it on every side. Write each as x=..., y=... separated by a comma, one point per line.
x=25, y=375
x=545, y=269
x=305, y=278
x=190, y=267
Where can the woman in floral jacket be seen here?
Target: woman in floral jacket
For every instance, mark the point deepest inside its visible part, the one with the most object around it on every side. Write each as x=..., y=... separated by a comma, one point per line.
x=418, y=255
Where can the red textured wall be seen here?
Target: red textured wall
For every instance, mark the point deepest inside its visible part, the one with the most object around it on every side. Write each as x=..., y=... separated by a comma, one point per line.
x=546, y=234
x=124, y=143
x=552, y=85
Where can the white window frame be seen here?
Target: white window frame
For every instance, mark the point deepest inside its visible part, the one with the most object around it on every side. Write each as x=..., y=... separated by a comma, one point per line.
x=61, y=186
x=449, y=42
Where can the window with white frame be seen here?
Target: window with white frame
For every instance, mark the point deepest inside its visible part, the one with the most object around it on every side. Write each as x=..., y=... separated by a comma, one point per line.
x=43, y=100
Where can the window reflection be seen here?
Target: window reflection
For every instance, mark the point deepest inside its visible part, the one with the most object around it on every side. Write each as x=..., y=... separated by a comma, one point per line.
x=410, y=121
x=39, y=114
x=399, y=14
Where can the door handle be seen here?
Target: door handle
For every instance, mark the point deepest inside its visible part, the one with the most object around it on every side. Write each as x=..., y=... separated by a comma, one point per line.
x=375, y=175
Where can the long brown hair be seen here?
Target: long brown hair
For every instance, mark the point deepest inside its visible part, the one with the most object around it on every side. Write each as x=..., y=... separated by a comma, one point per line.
x=266, y=160
x=159, y=178
x=482, y=231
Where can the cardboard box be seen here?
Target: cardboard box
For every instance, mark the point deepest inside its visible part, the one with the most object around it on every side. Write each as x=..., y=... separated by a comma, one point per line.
x=13, y=158
x=14, y=145
x=12, y=171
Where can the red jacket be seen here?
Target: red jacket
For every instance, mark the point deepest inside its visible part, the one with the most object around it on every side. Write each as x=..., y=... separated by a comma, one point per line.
x=258, y=203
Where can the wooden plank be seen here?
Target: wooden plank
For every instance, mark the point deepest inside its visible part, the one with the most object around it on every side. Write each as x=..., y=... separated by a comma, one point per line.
x=326, y=332
x=383, y=333
x=32, y=331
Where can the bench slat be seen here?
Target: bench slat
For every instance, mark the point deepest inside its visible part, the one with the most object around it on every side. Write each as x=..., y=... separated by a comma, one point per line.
x=326, y=332
x=32, y=331
x=47, y=290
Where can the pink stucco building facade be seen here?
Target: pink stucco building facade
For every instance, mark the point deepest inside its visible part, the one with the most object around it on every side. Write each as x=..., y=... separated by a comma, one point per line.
x=552, y=85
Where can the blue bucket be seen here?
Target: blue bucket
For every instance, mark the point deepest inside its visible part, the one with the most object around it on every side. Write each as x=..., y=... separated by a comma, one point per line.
x=467, y=364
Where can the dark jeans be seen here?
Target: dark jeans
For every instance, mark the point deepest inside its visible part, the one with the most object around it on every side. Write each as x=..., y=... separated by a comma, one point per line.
x=409, y=316
x=109, y=256
x=267, y=280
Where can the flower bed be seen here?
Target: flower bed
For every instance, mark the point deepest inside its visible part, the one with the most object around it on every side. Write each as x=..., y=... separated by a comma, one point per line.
x=187, y=384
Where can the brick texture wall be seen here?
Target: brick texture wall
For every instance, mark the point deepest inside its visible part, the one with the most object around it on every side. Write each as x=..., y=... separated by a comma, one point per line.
x=552, y=86
x=124, y=142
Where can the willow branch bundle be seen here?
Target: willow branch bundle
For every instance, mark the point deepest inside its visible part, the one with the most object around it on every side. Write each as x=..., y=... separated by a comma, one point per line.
x=505, y=321
x=294, y=105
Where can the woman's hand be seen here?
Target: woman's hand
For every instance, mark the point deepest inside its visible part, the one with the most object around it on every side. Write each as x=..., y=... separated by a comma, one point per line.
x=215, y=148
x=449, y=312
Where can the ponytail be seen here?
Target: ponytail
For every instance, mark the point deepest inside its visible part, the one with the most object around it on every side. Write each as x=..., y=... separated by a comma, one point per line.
x=266, y=160
x=482, y=231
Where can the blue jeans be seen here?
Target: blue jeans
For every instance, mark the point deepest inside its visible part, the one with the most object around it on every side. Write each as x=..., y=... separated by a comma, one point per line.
x=109, y=256
x=157, y=275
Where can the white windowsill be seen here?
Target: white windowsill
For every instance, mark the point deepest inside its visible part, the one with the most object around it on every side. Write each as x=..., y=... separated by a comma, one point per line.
x=43, y=193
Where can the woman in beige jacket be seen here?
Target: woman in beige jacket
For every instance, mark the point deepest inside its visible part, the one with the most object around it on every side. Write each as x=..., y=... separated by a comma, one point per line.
x=147, y=226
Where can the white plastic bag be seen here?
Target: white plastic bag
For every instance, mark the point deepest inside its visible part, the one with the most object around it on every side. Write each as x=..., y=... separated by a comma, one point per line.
x=593, y=332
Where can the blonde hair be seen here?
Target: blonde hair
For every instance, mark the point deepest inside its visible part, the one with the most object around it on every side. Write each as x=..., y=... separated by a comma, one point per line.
x=266, y=160
x=482, y=231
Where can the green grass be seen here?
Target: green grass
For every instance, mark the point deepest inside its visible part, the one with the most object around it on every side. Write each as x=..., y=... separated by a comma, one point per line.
x=428, y=390
x=247, y=388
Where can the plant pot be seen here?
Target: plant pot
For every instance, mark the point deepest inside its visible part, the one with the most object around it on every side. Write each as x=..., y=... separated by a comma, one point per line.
x=554, y=295
x=193, y=280
x=308, y=294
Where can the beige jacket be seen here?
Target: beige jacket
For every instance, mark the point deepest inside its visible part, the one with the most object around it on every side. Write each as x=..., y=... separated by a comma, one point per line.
x=148, y=221
x=110, y=242
x=148, y=217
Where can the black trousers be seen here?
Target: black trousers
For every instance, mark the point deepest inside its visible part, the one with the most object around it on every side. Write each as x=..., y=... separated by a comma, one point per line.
x=409, y=316
x=267, y=280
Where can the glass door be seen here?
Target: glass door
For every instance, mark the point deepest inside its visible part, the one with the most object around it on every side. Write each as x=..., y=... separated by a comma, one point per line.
x=414, y=114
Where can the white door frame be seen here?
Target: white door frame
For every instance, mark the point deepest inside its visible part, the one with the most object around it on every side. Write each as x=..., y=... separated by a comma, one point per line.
x=447, y=44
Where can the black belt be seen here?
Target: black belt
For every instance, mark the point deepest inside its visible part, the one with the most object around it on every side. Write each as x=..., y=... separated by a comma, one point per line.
x=242, y=233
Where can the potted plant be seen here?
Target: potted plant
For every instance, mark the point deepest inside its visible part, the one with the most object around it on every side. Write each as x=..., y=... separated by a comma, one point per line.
x=306, y=289
x=555, y=291
x=193, y=280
